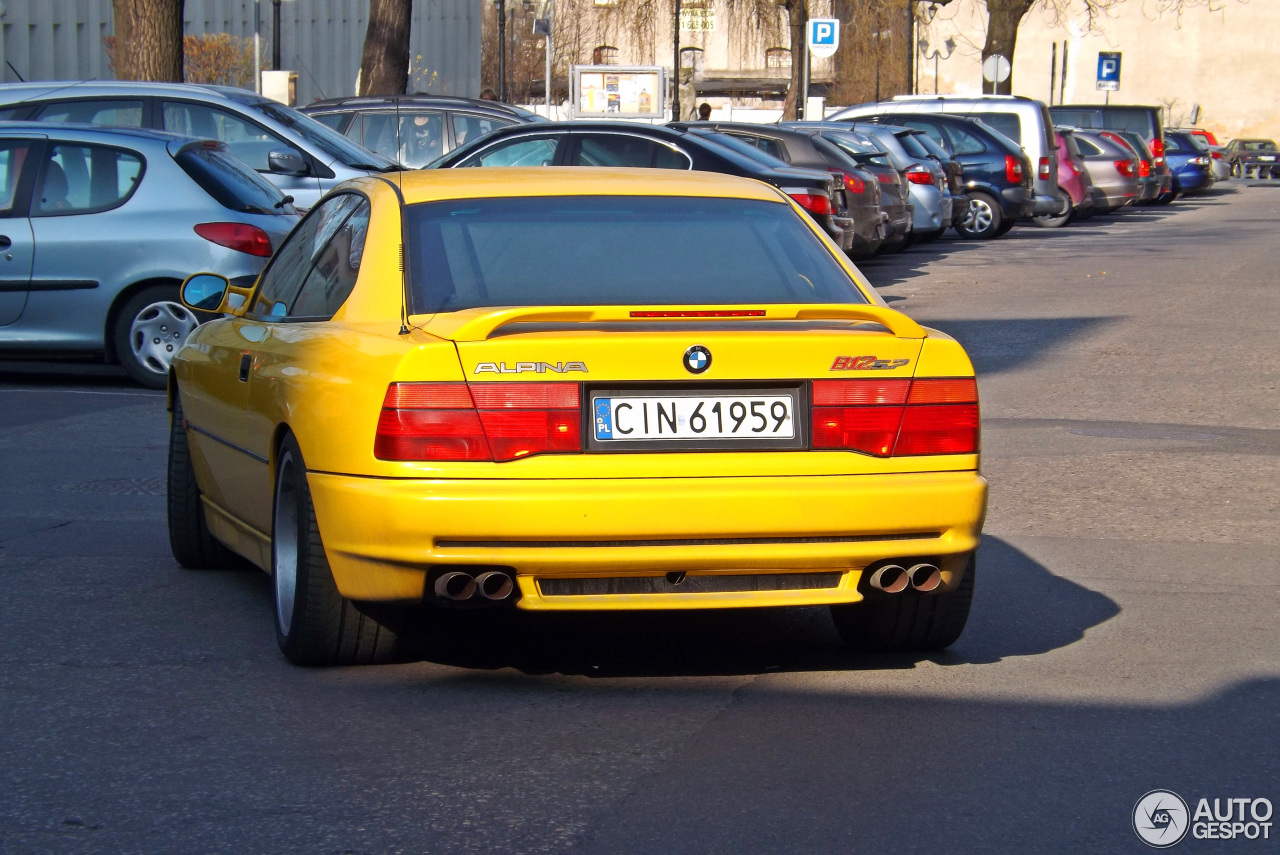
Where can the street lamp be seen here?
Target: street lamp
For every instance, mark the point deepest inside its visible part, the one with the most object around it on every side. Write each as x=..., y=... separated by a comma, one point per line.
x=935, y=55
x=501, y=6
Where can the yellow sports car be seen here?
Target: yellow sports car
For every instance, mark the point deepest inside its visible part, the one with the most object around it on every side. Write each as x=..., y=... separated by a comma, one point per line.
x=566, y=389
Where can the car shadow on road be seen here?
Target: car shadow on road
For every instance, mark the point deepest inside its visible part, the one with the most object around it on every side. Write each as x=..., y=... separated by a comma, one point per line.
x=1020, y=609
x=1004, y=344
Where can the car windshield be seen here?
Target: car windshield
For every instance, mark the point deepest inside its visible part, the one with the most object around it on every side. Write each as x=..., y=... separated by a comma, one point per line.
x=858, y=145
x=911, y=143
x=325, y=138
x=616, y=250
x=744, y=148
x=1259, y=145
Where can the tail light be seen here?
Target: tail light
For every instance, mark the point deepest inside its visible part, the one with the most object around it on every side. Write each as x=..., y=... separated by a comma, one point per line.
x=814, y=203
x=238, y=236
x=1125, y=168
x=1202, y=160
x=887, y=178
x=1043, y=172
x=852, y=183
x=895, y=418
x=483, y=421
x=1217, y=155
x=919, y=176
x=1157, y=150
x=1013, y=169
x=1144, y=169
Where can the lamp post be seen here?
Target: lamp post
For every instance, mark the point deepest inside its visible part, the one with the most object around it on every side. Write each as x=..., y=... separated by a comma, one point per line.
x=501, y=6
x=675, y=39
x=935, y=54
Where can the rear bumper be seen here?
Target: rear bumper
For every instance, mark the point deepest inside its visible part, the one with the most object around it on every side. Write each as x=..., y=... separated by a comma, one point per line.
x=384, y=536
x=1045, y=204
x=1017, y=202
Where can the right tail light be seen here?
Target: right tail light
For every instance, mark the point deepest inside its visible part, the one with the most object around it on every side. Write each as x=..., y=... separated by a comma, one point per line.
x=1044, y=167
x=1013, y=169
x=897, y=418
x=918, y=175
x=1125, y=168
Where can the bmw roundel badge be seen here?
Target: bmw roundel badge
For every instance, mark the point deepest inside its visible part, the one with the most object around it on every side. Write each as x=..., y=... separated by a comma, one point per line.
x=697, y=359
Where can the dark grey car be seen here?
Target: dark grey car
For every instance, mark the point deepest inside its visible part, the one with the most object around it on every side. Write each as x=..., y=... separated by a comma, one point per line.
x=99, y=226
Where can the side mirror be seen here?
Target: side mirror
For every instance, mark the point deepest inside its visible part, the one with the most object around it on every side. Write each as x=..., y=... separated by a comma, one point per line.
x=286, y=161
x=209, y=292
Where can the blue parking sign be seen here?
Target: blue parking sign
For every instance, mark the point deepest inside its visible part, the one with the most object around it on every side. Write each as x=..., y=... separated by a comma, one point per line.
x=1109, y=70
x=823, y=36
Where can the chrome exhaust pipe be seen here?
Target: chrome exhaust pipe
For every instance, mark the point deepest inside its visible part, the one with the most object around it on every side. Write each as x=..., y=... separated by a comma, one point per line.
x=889, y=578
x=925, y=577
x=495, y=585
x=455, y=586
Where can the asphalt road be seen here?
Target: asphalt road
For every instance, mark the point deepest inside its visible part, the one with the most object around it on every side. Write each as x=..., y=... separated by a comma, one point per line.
x=1123, y=638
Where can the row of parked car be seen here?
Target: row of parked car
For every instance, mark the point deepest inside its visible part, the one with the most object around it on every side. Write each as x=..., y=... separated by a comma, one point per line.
x=181, y=178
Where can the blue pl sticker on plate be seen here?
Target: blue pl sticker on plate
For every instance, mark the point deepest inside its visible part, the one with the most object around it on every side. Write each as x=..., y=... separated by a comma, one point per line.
x=604, y=418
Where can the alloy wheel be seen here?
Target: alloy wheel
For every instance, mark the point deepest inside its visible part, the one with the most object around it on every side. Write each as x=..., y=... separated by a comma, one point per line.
x=157, y=332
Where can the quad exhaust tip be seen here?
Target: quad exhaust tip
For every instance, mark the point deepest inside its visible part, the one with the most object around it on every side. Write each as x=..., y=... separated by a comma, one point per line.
x=894, y=578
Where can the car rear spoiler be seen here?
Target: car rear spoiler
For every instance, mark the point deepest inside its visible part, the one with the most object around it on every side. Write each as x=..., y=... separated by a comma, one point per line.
x=480, y=324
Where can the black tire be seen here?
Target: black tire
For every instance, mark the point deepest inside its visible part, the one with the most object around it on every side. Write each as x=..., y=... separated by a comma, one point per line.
x=907, y=621
x=315, y=625
x=983, y=220
x=189, y=537
x=1236, y=171
x=1058, y=220
x=148, y=329
x=929, y=237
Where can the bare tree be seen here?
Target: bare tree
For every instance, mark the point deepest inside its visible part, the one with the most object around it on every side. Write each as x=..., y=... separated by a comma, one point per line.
x=384, y=65
x=148, y=40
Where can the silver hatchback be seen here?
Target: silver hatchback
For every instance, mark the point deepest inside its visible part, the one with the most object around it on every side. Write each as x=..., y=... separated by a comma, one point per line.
x=99, y=226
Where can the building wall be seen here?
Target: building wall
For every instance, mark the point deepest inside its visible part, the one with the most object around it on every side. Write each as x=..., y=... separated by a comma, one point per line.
x=323, y=40
x=1220, y=58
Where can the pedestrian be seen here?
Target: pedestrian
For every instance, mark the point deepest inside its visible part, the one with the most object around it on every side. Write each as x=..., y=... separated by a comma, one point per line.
x=488, y=94
x=704, y=112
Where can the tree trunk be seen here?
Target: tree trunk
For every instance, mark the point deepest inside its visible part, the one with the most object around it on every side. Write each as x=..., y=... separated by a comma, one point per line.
x=797, y=17
x=384, y=67
x=1003, y=17
x=148, y=40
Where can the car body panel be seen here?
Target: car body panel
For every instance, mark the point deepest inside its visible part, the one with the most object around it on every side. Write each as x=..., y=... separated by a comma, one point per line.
x=387, y=523
x=1114, y=188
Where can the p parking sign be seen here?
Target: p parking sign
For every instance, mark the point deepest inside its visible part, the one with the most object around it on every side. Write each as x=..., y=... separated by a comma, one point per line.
x=1109, y=70
x=824, y=36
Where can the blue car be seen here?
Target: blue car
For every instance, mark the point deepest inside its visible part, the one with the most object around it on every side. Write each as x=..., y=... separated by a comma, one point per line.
x=1192, y=166
x=100, y=226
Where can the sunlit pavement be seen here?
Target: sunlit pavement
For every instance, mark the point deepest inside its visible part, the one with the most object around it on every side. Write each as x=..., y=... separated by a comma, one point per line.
x=1124, y=636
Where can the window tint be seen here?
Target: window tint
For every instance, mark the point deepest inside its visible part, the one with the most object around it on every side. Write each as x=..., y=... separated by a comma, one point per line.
x=292, y=262
x=231, y=183
x=613, y=150
x=13, y=154
x=1006, y=123
x=245, y=140
x=8, y=113
x=669, y=158
x=1087, y=148
x=324, y=138
x=421, y=136
x=83, y=179
x=616, y=250
x=124, y=113
x=1173, y=142
x=467, y=128
x=334, y=274
x=331, y=120
x=1259, y=145
x=931, y=130
x=749, y=149
x=527, y=151
x=1075, y=118
x=912, y=145
x=963, y=142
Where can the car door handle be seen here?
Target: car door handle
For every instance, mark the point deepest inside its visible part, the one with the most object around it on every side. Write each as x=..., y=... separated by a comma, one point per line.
x=5, y=243
x=245, y=362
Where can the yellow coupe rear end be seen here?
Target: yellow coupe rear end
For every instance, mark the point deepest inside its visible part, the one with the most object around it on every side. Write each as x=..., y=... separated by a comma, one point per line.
x=579, y=390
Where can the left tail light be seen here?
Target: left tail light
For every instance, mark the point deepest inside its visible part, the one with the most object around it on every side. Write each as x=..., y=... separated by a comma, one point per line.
x=920, y=176
x=483, y=421
x=852, y=183
x=1044, y=168
x=1144, y=169
x=814, y=203
x=898, y=417
x=1125, y=168
x=241, y=237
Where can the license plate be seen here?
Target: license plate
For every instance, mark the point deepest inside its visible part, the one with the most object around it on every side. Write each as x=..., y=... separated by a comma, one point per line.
x=1267, y=158
x=719, y=418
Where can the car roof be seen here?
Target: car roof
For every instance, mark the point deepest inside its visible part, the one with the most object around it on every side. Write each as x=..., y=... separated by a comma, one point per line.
x=425, y=100
x=70, y=88
x=497, y=182
x=52, y=128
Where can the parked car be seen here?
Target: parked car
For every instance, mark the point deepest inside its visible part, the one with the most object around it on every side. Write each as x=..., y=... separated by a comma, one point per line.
x=1192, y=166
x=1140, y=119
x=1076, y=189
x=99, y=227
x=298, y=154
x=1249, y=158
x=927, y=182
x=860, y=189
x=605, y=360
x=895, y=198
x=1208, y=142
x=1150, y=184
x=997, y=174
x=1025, y=121
x=954, y=172
x=632, y=144
x=414, y=130
x=1112, y=168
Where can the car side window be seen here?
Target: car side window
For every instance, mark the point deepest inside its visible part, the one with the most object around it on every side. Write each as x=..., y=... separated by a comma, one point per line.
x=334, y=272
x=85, y=179
x=245, y=140
x=932, y=130
x=333, y=120
x=1171, y=144
x=613, y=150
x=467, y=128
x=421, y=136
x=963, y=142
x=669, y=158
x=13, y=156
x=1087, y=148
x=94, y=112
x=536, y=151
x=292, y=262
x=1006, y=123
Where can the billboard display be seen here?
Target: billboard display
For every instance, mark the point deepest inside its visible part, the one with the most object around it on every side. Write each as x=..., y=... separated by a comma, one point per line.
x=619, y=92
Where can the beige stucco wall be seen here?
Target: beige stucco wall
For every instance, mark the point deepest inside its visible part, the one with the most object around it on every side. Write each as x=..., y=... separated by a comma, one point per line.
x=1223, y=58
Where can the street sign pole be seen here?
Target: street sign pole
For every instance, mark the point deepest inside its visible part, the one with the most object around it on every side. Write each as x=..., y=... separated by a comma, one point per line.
x=804, y=84
x=822, y=37
x=1109, y=72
